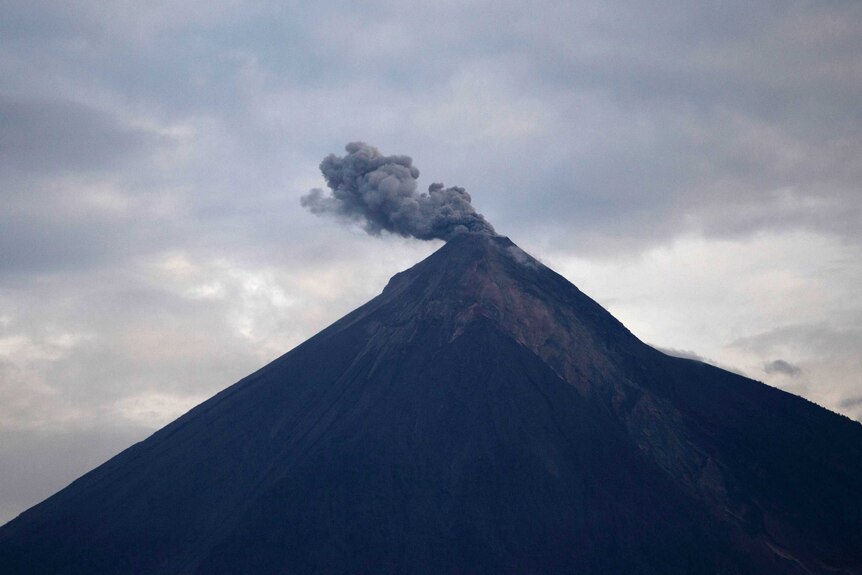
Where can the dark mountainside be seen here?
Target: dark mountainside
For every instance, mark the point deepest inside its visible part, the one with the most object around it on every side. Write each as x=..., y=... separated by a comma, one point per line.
x=481, y=415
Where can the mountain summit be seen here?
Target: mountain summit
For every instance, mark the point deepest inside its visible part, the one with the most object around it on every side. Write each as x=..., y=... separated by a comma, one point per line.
x=481, y=415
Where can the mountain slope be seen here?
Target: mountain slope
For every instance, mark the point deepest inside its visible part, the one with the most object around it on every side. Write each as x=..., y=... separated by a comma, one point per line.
x=481, y=415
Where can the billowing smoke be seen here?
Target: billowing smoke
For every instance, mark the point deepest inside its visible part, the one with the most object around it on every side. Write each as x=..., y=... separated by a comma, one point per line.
x=379, y=192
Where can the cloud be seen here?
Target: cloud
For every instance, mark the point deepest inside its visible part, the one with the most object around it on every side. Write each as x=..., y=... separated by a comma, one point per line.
x=827, y=359
x=683, y=353
x=713, y=130
x=741, y=304
x=852, y=402
x=52, y=135
x=782, y=367
x=379, y=192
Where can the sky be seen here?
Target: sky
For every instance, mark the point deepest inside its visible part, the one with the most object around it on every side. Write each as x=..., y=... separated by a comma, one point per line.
x=694, y=167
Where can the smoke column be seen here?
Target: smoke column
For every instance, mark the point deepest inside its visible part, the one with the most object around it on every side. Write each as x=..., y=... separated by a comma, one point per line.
x=379, y=192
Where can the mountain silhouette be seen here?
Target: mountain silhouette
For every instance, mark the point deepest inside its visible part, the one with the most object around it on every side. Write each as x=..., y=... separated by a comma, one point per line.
x=481, y=415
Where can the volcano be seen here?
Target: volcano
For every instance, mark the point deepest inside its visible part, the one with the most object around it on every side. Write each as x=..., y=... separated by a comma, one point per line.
x=481, y=415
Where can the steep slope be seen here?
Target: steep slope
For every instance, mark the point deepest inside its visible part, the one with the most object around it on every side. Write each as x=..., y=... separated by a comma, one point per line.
x=481, y=415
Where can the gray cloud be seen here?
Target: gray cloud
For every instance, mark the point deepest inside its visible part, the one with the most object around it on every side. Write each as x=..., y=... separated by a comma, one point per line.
x=53, y=135
x=820, y=338
x=684, y=354
x=379, y=192
x=852, y=402
x=730, y=123
x=688, y=354
x=829, y=358
x=782, y=367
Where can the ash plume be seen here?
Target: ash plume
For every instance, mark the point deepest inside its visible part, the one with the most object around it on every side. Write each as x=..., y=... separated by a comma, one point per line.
x=379, y=193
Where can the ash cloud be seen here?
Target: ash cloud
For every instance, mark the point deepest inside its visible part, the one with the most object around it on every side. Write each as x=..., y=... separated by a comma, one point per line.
x=380, y=193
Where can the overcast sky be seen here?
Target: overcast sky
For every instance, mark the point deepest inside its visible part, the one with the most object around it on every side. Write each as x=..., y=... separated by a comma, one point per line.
x=695, y=167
